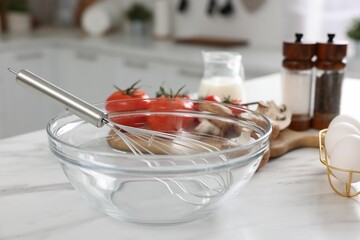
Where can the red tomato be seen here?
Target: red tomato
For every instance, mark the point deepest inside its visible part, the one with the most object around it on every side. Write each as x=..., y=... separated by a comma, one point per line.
x=136, y=100
x=213, y=98
x=236, y=110
x=169, y=123
x=236, y=103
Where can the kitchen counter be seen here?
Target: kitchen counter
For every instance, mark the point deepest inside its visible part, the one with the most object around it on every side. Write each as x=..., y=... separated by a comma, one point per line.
x=289, y=198
x=257, y=61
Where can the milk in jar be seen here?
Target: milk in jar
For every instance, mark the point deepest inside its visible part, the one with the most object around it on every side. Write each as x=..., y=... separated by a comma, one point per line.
x=223, y=75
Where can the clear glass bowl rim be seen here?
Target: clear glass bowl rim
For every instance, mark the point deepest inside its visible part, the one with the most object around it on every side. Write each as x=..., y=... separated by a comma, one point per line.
x=176, y=169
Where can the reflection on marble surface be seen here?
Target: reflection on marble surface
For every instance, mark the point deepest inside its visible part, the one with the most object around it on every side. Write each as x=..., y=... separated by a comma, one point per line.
x=287, y=199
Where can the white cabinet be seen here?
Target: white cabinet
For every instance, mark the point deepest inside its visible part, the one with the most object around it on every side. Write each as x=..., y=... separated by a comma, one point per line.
x=85, y=73
x=184, y=75
x=2, y=105
x=22, y=110
x=154, y=74
x=131, y=70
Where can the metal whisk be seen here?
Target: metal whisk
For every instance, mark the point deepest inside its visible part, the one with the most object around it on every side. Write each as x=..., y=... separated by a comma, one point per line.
x=138, y=141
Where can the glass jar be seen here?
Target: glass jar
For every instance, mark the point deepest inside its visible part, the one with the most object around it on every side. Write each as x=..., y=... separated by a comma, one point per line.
x=330, y=68
x=223, y=75
x=297, y=79
x=297, y=93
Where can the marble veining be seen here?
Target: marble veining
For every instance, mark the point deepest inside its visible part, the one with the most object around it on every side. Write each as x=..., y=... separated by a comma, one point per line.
x=25, y=189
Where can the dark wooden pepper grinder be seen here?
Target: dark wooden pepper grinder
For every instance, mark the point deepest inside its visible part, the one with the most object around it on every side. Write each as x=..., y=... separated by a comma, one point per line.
x=330, y=68
x=297, y=80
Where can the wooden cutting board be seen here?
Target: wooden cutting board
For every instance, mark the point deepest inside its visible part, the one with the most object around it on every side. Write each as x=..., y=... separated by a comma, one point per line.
x=289, y=140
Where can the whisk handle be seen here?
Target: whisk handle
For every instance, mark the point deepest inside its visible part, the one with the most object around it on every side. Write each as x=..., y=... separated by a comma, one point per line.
x=77, y=106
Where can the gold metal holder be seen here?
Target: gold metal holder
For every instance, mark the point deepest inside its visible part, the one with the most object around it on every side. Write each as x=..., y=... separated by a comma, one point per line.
x=349, y=187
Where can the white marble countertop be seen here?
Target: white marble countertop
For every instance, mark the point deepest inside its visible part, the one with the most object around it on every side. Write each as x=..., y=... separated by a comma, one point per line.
x=289, y=198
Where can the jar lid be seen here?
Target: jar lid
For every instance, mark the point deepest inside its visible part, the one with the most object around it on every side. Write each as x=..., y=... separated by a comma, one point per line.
x=330, y=50
x=298, y=50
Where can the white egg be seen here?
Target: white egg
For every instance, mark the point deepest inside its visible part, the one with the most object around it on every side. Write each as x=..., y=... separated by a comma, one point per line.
x=347, y=119
x=346, y=155
x=336, y=132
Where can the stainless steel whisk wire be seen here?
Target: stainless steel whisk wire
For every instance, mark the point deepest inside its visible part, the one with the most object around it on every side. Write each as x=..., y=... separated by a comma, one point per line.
x=143, y=134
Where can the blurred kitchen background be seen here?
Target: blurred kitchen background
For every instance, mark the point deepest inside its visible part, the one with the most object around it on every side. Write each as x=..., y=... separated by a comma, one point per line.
x=87, y=46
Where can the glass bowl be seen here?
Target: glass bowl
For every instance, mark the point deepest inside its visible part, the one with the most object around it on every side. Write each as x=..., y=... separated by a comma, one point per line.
x=161, y=188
